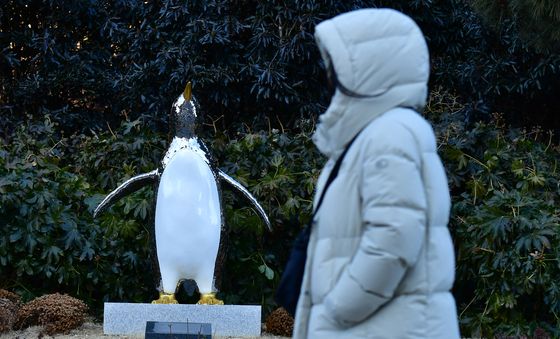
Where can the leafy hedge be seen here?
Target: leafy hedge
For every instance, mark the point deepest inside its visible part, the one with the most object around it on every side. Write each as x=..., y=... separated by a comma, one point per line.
x=504, y=185
x=89, y=63
x=50, y=184
x=536, y=20
x=81, y=68
x=505, y=223
x=280, y=169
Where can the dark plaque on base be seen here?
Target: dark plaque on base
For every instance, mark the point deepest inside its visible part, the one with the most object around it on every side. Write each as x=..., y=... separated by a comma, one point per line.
x=177, y=330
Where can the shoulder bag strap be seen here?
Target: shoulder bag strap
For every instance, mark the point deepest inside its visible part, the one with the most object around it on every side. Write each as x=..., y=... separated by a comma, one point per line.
x=332, y=175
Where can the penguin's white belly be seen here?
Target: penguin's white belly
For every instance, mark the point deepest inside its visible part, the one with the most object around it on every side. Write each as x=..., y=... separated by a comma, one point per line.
x=187, y=222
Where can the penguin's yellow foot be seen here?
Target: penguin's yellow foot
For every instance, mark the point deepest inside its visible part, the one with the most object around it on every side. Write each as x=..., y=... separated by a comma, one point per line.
x=165, y=298
x=209, y=299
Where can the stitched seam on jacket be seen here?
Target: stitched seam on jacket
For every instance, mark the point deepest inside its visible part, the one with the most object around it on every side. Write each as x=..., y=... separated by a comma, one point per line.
x=427, y=232
x=346, y=44
x=407, y=206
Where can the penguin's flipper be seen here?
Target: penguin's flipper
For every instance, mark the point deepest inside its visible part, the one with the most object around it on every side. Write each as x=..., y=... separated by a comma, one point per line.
x=131, y=185
x=247, y=195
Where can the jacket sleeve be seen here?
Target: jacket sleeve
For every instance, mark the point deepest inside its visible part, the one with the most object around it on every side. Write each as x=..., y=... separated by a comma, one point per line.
x=394, y=221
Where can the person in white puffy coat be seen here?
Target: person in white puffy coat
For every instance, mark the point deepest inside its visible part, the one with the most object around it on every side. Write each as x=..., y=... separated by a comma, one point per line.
x=380, y=258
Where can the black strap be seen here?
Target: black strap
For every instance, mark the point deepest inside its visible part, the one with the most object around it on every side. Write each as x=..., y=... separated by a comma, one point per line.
x=332, y=175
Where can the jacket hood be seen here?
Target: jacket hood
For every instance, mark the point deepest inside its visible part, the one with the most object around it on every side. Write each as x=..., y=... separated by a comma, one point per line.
x=378, y=53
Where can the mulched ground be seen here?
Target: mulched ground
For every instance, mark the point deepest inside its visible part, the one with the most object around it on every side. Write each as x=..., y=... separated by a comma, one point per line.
x=92, y=330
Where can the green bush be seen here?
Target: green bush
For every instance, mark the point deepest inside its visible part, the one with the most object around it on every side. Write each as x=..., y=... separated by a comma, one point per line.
x=505, y=218
x=90, y=62
x=536, y=20
x=50, y=185
x=280, y=169
x=49, y=242
x=505, y=223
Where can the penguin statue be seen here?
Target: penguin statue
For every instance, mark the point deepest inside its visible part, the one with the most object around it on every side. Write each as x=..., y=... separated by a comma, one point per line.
x=188, y=214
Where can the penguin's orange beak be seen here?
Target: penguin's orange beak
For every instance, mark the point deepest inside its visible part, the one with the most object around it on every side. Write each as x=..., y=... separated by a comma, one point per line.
x=187, y=93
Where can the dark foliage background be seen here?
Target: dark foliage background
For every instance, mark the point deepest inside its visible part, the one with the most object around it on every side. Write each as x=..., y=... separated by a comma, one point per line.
x=88, y=63
x=504, y=184
x=85, y=87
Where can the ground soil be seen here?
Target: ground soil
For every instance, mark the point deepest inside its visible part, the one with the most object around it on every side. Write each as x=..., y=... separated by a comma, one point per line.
x=90, y=330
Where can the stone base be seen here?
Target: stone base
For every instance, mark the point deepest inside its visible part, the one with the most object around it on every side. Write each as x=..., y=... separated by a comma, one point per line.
x=226, y=320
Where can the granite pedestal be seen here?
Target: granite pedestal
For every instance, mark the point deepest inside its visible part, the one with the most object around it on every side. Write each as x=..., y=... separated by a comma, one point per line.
x=226, y=320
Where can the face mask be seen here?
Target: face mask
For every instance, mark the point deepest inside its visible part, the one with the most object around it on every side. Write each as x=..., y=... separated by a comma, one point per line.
x=333, y=83
x=331, y=79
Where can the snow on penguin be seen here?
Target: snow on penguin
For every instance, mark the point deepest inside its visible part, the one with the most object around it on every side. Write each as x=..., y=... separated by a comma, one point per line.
x=188, y=217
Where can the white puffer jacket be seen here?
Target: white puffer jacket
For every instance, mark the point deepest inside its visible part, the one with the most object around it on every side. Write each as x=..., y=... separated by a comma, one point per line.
x=380, y=258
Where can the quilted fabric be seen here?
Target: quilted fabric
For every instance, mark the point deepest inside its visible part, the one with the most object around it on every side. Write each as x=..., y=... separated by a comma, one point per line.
x=380, y=258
